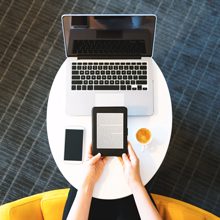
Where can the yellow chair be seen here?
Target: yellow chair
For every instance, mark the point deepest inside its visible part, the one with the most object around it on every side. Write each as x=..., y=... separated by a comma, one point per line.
x=50, y=205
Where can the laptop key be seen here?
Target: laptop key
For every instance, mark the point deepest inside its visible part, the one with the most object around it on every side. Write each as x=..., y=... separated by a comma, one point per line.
x=78, y=87
x=74, y=67
x=143, y=67
x=106, y=82
x=123, y=87
x=90, y=82
x=111, y=81
x=141, y=82
x=106, y=87
x=128, y=87
x=75, y=77
x=119, y=77
x=84, y=87
x=143, y=77
x=77, y=82
x=73, y=87
x=139, y=87
x=90, y=87
x=75, y=72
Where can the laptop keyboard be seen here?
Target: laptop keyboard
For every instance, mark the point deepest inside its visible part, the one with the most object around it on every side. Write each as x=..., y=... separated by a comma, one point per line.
x=109, y=76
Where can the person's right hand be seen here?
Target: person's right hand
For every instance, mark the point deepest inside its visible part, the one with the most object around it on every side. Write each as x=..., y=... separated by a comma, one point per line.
x=131, y=167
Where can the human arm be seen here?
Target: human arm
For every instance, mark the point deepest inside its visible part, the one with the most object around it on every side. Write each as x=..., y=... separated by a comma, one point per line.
x=145, y=207
x=93, y=170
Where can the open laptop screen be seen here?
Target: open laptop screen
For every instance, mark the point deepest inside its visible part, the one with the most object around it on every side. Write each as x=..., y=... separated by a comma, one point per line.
x=109, y=36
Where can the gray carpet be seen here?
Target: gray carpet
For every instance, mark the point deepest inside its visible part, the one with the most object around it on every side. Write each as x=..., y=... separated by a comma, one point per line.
x=188, y=51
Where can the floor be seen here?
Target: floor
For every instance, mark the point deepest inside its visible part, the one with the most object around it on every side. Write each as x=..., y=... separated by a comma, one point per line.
x=187, y=49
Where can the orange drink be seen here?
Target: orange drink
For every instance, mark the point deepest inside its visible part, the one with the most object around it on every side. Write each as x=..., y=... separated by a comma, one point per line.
x=143, y=136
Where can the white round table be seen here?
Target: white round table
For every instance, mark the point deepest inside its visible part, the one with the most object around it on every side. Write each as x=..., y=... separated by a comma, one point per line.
x=112, y=184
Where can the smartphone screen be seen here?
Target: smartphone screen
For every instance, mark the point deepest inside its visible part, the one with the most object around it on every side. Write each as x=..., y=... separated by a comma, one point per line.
x=73, y=145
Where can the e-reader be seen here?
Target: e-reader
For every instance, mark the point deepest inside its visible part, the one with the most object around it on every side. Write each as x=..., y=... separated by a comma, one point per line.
x=109, y=131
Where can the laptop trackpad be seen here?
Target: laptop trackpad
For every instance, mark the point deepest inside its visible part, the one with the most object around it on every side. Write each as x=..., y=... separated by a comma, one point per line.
x=109, y=99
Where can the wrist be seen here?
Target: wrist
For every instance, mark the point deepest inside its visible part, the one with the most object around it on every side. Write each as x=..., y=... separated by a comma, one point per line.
x=88, y=186
x=135, y=184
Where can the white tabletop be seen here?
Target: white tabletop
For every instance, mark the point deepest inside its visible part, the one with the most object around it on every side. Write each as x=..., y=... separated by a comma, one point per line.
x=112, y=184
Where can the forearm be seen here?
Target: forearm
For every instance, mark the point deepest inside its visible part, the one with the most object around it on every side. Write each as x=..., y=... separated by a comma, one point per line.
x=81, y=205
x=145, y=207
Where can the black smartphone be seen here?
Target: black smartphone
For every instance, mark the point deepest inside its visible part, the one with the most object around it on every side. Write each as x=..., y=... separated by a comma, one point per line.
x=73, y=150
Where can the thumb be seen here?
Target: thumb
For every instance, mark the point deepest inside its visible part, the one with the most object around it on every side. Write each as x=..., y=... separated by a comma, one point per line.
x=94, y=159
x=125, y=159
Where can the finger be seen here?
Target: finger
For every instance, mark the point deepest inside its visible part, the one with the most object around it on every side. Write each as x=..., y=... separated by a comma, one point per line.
x=125, y=159
x=131, y=152
x=121, y=161
x=90, y=149
x=94, y=159
x=89, y=152
x=105, y=159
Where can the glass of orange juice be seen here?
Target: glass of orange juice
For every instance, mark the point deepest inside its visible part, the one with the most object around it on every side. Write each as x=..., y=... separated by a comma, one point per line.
x=144, y=137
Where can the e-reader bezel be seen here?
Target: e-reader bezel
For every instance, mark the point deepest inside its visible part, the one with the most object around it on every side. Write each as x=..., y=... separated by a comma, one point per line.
x=109, y=152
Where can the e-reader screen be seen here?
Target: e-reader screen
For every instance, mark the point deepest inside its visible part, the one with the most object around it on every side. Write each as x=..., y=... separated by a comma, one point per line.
x=73, y=145
x=110, y=131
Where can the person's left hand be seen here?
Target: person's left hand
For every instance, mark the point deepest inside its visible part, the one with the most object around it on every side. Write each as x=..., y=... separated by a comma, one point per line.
x=94, y=166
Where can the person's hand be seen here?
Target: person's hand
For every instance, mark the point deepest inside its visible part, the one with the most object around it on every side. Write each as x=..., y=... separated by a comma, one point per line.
x=94, y=166
x=131, y=167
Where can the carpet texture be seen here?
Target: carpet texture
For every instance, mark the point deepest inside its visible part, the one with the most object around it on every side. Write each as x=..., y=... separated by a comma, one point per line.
x=187, y=49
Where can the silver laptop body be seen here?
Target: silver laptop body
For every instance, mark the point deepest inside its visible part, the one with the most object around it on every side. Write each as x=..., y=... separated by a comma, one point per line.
x=109, y=61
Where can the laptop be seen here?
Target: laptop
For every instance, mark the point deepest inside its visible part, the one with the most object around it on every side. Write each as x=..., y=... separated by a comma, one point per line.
x=108, y=62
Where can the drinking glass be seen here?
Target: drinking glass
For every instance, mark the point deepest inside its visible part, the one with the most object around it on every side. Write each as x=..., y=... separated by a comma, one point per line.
x=144, y=137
